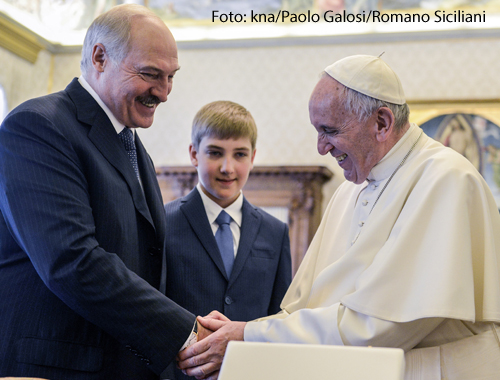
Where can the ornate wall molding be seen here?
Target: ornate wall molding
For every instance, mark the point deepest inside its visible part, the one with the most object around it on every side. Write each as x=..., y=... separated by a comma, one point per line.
x=296, y=188
x=19, y=40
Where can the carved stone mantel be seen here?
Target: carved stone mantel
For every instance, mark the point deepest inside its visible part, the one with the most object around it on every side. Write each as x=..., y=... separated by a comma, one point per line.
x=297, y=188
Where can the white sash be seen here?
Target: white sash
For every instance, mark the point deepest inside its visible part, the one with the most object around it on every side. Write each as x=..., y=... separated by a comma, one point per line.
x=475, y=357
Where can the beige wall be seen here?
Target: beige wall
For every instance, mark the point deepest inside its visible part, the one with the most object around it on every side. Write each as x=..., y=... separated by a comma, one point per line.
x=274, y=82
x=23, y=80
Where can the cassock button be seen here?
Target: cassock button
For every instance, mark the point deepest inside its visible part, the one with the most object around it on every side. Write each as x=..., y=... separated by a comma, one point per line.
x=361, y=224
x=365, y=202
x=373, y=186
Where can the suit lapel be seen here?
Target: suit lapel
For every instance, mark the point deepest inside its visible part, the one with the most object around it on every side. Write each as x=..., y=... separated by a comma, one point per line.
x=103, y=136
x=151, y=190
x=193, y=209
x=250, y=225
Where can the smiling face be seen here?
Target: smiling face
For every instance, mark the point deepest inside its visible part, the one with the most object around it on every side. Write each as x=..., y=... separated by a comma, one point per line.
x=133, y=88
x=353, y=144
x=223, y=167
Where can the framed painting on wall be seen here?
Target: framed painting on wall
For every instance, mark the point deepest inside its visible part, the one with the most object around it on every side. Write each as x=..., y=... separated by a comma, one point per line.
x=472, y=128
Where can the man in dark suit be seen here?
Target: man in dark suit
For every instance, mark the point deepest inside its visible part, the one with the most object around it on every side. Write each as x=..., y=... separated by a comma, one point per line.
x=82, y=225
x=200, y=277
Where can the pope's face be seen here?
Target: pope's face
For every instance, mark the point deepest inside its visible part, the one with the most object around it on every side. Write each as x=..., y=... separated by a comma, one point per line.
x=133, y=88
x=352, y=143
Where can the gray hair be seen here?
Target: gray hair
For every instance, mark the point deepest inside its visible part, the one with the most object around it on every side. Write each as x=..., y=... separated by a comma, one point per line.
x=363, y=106
x=112, y=29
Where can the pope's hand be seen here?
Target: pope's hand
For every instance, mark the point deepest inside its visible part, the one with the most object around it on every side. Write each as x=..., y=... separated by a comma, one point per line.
x=217, y=315
x=204, y=358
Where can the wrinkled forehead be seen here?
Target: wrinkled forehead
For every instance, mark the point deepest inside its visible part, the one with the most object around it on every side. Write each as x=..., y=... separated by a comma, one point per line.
x=327, y=93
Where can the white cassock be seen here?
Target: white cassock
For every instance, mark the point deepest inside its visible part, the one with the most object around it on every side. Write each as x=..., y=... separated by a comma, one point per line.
x=411, y=261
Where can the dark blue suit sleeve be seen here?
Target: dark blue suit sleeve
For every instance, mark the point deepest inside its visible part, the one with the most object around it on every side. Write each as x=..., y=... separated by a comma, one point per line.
x=283, y=274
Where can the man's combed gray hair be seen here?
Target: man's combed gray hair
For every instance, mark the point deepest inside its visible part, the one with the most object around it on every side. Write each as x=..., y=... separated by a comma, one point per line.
x=363, y=107
x=112, y=30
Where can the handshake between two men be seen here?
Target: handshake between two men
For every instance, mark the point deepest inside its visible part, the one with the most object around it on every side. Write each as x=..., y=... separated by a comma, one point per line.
x=204, y=358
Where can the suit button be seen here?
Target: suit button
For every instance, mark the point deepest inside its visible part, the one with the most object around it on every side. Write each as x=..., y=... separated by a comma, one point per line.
x=228, y=300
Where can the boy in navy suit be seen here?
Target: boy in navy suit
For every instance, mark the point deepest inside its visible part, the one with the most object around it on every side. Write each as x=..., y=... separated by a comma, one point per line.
x=250, y=281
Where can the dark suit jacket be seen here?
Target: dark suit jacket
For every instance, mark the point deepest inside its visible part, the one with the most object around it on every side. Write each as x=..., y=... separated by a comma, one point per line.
x=196, y=278
x=81, y=249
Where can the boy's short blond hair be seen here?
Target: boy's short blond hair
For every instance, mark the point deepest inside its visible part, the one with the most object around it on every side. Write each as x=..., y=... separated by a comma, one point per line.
x=223, y=120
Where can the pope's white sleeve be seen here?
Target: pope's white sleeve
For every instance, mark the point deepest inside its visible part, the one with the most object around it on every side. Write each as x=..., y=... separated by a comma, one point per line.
x=357, y=329
x=338, y=325
x=313, y=326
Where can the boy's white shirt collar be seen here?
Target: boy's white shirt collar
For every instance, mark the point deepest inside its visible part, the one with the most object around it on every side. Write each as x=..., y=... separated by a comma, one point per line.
x=213, y=209
x=116, y=124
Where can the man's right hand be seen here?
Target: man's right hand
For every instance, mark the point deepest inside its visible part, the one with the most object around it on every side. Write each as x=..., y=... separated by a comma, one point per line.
x=203, y=332
x=204, y=359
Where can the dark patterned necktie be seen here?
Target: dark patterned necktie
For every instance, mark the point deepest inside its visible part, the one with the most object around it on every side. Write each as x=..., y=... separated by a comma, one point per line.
x=127, y=138
x=224, y=239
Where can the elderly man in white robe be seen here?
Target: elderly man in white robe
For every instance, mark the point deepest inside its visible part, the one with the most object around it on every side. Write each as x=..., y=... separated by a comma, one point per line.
x=407, y=254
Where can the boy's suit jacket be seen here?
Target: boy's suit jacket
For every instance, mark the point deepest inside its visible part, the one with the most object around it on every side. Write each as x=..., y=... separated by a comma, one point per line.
x=81, y=249
x=196, y=278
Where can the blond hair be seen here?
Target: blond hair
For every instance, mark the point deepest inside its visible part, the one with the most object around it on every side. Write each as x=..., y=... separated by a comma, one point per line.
x=224, y=120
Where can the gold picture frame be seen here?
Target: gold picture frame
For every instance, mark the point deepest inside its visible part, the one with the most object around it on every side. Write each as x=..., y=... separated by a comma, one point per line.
x=471, y=127
x=423, y=111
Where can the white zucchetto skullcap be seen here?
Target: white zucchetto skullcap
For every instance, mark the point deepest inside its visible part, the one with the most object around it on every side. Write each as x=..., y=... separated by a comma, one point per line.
x=369, y=75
